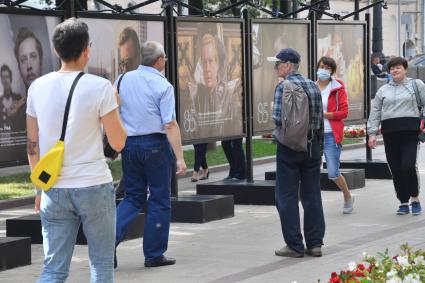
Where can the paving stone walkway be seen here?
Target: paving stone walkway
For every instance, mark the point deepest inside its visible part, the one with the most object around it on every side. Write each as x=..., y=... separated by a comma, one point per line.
x=241, y=249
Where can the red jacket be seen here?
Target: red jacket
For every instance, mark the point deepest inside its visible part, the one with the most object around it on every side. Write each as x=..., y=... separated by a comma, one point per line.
x=340, y=111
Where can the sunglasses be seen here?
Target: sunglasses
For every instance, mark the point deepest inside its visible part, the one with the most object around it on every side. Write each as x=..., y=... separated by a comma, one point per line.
x=277, y=63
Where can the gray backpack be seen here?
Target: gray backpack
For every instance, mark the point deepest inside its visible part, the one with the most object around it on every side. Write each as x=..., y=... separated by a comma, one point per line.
x=295, y=118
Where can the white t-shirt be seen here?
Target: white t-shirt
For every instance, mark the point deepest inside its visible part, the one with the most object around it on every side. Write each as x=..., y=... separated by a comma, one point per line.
x=325, y=96
x=84, y=163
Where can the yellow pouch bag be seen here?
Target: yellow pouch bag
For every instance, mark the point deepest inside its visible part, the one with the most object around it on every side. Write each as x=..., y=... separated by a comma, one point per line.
x=48, y=168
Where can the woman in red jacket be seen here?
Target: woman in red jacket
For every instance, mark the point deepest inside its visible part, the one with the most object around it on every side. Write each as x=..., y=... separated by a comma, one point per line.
x=335, y=107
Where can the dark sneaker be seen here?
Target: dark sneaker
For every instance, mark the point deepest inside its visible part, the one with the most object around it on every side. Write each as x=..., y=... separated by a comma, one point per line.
x=314, y=251
x=161, y=261
x=416, y=208
x=288, y=252
x=403, y=209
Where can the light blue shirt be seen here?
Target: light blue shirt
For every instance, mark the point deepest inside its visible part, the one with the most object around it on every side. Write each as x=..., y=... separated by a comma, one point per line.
x=147, y=101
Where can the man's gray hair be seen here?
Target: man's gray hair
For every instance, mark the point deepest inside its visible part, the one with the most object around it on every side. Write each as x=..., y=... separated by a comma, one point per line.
x=151, y=51
x=295, y=67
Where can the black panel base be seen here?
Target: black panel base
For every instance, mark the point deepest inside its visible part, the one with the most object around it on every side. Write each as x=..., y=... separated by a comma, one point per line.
x=201, y=209
x=30, y=226
x=259, y=192
x=270, y=175
x=14, y=252
x=355, y=179
x=377, y=169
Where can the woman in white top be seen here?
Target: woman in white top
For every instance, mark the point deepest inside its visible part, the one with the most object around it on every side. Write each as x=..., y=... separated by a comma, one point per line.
x=335, y=107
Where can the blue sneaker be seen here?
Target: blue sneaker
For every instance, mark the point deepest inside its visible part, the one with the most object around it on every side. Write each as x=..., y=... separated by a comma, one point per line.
x=416, y=208
x=403, y=209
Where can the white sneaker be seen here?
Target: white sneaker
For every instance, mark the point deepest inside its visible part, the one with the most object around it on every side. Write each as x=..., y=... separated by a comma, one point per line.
x=348, y=206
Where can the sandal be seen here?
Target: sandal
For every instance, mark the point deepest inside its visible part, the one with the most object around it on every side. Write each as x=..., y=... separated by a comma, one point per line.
x=205, y=176
x=194, y=178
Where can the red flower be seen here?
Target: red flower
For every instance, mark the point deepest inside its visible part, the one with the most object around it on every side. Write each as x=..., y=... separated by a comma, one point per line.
x=360, y=266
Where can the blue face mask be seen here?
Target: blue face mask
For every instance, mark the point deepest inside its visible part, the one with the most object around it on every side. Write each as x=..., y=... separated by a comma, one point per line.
x=323, y=74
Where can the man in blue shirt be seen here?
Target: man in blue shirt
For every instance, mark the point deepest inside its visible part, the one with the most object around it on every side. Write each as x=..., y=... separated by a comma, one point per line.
x=298, y=173
x=148, y=112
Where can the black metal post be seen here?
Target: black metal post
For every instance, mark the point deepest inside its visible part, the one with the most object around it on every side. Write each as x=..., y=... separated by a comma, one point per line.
x=377, y=31
x=367, y=80
x=248, y=95
x=356, y=9
x=275, y=9
x=295, y=7
x=285, y=6
x=172, y=73
x=313, y=44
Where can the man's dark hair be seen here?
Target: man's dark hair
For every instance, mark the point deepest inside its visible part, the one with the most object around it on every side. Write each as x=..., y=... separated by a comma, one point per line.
x=397, y=61
x=70, y=38
x=23, y=34
x=328, y=61
x=130, y=34
x=5, y=68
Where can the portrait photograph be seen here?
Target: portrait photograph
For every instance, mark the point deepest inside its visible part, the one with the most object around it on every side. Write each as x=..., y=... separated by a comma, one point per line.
x=348, y=53
x=27, y=54
x=210, y=80
x=116, y=44
x=267, y=40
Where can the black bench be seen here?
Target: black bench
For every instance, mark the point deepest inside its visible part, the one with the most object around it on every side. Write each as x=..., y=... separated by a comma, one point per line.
x=355, y=179
x=14, y=252
x=30, y=226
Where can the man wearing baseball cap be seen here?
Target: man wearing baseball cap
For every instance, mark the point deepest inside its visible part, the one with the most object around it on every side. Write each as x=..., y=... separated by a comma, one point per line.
x=298, y=173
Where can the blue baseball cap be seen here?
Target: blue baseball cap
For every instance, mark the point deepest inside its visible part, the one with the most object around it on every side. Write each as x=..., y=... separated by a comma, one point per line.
x=286, y=55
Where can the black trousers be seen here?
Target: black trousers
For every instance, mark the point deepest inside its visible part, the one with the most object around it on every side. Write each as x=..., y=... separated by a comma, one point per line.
x=200, y=156
x=401, y=149
x=236, y=157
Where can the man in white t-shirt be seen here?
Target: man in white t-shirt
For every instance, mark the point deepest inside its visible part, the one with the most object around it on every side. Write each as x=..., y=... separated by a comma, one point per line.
x=83, y=192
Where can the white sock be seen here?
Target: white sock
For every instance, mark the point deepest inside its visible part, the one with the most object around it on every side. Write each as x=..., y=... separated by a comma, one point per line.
x=405, y=203
x=414, y=199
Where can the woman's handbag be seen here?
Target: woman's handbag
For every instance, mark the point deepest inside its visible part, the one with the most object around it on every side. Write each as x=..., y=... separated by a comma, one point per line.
x=48, y=168
x=108, y=151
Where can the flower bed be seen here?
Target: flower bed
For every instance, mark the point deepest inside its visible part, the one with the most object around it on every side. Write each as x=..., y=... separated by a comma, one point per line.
x=406, y=267
x=354, y=132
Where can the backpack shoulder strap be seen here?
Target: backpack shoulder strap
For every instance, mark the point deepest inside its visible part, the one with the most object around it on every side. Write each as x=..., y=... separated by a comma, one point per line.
x=119, y=82
x=68, y=105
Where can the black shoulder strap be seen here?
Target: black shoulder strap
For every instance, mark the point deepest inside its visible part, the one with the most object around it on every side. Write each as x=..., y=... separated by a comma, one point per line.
x=416, y=91
x=119, y=82
x=68, y=105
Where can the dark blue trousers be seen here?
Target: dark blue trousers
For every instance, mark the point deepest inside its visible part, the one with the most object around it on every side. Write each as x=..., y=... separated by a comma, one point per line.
x=236, y=157
x=298, y=177
x=200, y=156
x=147, y=163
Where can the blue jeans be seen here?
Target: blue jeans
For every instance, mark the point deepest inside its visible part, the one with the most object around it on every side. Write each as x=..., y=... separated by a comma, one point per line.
x=61, y=212
x=298, y=175
x=332, y=153
x=147, y=163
